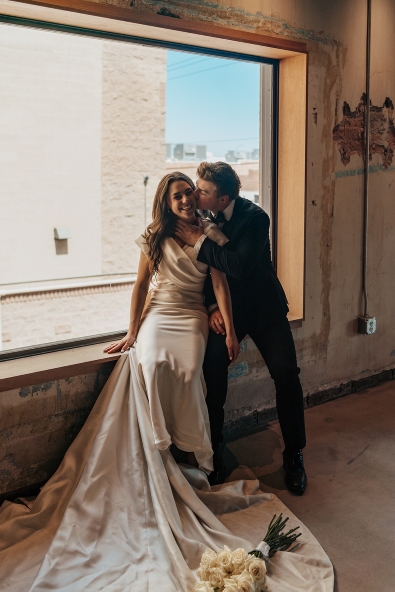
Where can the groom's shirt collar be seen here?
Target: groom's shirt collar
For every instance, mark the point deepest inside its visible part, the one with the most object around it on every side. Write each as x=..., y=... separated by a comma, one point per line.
x=228, y=211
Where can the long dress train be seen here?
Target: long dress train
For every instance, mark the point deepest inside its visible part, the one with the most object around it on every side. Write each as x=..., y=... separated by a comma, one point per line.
x=120, y=514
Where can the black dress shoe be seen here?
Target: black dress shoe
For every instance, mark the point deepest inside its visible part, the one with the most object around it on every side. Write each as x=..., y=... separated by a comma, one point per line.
x=295, y=476
x=218, y=475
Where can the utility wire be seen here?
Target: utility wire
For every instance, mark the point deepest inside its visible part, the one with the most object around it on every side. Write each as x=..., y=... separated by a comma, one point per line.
x=194, y=57
x=367, y=156
x=170, y=69
x=176, y=67
x=198, y=72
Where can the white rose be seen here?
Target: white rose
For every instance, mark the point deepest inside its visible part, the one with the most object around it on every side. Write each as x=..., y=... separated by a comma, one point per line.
x=209, y=559
x=225, y=559
x=257, y=569
x=239, y=558
x=238, y=570
x=230, y=585
x=217, y=576
x=202, y=587
x=245, y=583
x=203, y=574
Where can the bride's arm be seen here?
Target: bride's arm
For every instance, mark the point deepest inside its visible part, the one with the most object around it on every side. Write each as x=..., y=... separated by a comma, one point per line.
x=222, y=294
x=139, y=296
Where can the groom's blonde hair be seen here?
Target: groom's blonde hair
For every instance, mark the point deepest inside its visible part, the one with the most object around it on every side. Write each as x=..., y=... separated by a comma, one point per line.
x=225, y=179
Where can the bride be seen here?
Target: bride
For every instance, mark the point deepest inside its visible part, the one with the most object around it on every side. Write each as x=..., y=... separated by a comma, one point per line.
x=172, y=331
x=120, y=514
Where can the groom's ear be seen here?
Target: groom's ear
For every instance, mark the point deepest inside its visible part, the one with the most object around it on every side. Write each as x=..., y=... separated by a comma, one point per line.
x=224, y=199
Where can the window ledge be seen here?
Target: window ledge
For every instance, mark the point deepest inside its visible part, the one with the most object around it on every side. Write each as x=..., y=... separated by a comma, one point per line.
x=38, y=369
x=294, y=321
x=54, y=365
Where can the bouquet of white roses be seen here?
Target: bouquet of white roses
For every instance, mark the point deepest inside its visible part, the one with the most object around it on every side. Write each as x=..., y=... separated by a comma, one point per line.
x=238, y=571
x=227, y=571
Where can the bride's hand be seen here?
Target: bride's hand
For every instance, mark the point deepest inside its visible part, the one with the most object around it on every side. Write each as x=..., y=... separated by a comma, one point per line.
x=124, y=344
x=233, y=346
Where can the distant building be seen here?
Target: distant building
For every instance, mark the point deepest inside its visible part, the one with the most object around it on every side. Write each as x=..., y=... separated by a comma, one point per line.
x=236, y=155
x=190, y=152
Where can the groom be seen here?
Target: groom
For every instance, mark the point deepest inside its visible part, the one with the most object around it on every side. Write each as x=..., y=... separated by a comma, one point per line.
x=259, y=310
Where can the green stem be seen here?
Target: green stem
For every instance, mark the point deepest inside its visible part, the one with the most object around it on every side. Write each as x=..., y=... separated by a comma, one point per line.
x=276, y=538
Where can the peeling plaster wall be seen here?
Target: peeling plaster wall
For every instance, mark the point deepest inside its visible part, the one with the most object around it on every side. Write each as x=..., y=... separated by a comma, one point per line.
x=330, y=351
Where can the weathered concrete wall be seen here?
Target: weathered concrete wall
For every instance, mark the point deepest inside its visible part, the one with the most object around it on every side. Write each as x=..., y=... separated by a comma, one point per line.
x=39, y=423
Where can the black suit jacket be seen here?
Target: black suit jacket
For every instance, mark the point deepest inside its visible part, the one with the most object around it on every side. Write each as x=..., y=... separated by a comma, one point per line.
x=246, y=260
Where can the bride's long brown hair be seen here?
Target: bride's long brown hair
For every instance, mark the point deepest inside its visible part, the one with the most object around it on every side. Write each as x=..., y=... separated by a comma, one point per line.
x=163, y=219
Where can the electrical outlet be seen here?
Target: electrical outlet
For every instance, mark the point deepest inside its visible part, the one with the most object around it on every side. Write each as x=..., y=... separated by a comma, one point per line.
x=367, y=325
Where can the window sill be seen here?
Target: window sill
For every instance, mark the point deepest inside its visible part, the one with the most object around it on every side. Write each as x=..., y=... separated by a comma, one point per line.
x=38, y=369
x=54, y=365
x=295, y=322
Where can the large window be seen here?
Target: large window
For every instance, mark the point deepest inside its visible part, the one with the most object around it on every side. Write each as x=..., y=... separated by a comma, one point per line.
x=88, y=128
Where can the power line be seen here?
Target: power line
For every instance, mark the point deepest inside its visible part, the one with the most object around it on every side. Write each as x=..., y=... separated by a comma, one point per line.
x=198, y=72
x=177, y=67
x=170, y=69
x=194, y=57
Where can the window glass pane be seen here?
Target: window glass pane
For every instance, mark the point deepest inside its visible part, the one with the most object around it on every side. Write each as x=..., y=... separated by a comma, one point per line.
x=213, y=113
x=88, y=128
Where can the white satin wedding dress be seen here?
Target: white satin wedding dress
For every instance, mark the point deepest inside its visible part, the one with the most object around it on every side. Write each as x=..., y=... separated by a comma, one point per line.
x=119, y=514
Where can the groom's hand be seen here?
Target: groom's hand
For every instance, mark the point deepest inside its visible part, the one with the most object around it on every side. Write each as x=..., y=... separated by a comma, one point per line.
x=216, y=322
x=189, y=233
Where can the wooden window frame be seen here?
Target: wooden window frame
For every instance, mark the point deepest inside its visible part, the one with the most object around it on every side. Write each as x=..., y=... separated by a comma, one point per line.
x=112, y=22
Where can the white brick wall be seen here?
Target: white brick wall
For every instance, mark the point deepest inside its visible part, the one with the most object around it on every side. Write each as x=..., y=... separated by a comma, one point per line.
x=133, y=145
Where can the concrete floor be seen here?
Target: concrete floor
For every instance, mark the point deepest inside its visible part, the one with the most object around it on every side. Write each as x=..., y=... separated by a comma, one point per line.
x=349, y=504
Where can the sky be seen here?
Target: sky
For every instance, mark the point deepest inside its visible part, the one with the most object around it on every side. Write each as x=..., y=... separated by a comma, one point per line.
x=212, y=101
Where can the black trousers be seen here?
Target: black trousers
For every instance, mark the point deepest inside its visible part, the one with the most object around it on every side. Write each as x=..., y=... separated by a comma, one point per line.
x=275, y=342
